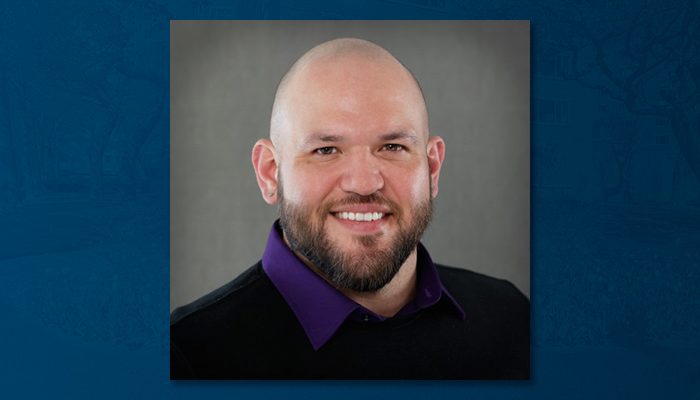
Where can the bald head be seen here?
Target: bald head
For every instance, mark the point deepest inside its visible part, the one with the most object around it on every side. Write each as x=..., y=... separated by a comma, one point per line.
x=342, y=67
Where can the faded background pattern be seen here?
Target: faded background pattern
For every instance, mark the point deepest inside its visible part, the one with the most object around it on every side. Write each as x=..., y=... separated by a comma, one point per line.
x=84, y=198
x=476, y=79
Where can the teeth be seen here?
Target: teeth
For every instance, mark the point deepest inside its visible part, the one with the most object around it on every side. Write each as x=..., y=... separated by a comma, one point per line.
x=359, y=216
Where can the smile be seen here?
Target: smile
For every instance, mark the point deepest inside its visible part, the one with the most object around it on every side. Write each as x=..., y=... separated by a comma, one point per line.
x=352, y=216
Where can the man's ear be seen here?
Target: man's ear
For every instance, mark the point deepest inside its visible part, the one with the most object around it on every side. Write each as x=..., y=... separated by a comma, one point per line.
x=266, y=166
x=436, y=155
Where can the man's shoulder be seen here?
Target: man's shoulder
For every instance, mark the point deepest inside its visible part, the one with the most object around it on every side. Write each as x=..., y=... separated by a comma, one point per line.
x=245, y=288
x=497, y=319
x=234, y=322
x=472, y=289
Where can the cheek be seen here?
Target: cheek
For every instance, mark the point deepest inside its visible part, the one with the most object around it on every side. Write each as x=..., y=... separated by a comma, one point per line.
x=411, y=187
x=421, y=187
x=305, y=186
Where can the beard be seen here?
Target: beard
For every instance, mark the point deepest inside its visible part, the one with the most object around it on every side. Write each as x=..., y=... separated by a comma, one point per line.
x=367, y=269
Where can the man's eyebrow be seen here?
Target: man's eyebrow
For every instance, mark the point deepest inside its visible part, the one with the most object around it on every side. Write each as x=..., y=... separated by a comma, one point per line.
x=387, y=137
x=398, y=136
x=322, y=137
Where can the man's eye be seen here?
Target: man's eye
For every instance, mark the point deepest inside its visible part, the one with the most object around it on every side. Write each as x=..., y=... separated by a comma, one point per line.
x=324, y=151
x=394, y=147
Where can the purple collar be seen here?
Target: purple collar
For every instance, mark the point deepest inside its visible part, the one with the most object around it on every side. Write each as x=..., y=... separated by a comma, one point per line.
x=321, y=308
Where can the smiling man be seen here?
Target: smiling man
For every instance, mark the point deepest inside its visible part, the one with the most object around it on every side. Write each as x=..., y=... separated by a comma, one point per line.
x=345, y=290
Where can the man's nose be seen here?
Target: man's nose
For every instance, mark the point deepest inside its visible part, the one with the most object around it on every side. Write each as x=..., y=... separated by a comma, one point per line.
x=362, y=174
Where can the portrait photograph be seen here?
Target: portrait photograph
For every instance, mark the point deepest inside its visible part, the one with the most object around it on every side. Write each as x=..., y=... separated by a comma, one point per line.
x=350, y=200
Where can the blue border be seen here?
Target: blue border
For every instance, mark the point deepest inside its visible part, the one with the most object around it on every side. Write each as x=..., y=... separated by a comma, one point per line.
x=84, y=198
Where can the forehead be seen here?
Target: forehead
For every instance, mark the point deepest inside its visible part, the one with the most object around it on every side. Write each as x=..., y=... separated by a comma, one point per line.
x=354, y=97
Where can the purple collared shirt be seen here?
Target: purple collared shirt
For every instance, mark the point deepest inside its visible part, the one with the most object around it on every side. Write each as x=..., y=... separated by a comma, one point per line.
x=320, y=308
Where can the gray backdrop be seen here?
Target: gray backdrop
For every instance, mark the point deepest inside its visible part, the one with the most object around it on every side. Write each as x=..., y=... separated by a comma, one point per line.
x=223, y=74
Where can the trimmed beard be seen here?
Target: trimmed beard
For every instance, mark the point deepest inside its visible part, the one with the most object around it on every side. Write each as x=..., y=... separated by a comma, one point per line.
x=367, y=270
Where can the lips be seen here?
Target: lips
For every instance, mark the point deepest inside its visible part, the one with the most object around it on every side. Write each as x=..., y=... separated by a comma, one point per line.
x=362, y=218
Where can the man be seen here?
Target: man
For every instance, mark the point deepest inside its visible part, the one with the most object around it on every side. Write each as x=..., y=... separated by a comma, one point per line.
x=344, y=289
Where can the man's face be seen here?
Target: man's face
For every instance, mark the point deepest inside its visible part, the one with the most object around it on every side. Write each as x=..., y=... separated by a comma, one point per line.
x=355, y=172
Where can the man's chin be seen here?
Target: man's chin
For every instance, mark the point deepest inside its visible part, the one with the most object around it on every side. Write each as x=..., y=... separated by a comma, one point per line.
x=360, y=263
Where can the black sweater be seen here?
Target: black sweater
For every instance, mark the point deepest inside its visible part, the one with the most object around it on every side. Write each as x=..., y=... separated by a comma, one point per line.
x=246, y=330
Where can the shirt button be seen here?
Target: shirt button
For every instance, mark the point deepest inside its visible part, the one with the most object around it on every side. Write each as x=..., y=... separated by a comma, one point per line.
x=365, y=317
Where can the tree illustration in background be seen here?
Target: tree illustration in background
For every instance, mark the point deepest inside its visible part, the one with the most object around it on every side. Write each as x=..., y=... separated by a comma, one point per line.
x=45, y=121
x=90, y=98
x=646, y=57
x=623, y=136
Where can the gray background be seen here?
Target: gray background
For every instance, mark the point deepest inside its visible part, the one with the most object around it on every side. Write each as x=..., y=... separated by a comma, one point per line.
x=476, y=79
